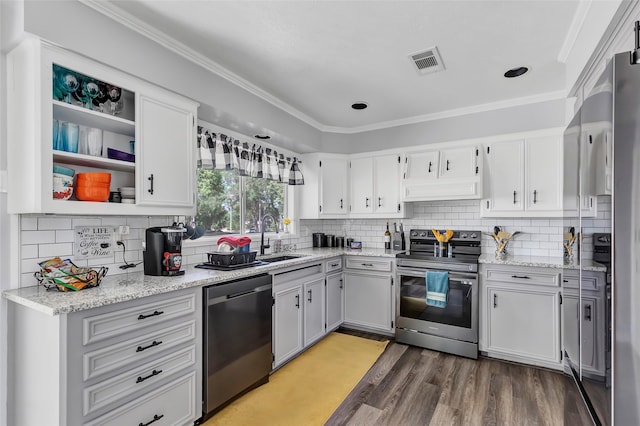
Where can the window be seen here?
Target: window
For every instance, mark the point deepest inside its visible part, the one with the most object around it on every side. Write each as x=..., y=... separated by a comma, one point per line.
x=232, y=204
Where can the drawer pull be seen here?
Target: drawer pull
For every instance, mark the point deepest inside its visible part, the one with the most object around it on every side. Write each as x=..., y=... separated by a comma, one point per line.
x=334, y=265
x=565, y=281
x=522, y=277
x=144, y=348
x=367, y=264
x=310, y=296
x=141, y=379
x=155, y=419
x=154, y=314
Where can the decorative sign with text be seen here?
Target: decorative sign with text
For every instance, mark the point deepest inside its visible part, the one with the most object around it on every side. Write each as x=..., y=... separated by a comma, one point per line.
x=94, y=241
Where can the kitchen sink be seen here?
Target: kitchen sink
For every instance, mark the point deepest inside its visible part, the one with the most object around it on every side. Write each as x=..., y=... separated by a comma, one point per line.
x=278, y=258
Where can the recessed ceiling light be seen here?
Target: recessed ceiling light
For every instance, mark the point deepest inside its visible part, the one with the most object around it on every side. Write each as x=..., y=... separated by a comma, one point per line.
x=263, y=137
x=359, y=105
x=516, y=72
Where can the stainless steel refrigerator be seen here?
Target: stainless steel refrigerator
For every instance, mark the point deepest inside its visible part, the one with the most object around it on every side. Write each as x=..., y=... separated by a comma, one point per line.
x=602, y=160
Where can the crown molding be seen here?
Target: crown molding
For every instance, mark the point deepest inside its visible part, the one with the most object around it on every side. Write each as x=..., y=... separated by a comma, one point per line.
x=574, y=29
x=542, y=97
x=128, y=20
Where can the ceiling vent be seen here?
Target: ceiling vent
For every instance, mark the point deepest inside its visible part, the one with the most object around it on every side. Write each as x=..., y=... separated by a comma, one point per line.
x=427, y=61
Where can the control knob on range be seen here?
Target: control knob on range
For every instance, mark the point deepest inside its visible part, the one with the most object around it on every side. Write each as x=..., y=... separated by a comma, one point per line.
x=414, y=234
x=463, y=235
x=423, y=234
x=473, y=235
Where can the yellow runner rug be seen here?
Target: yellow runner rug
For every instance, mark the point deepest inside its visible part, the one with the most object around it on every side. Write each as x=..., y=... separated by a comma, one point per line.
x=308, y=389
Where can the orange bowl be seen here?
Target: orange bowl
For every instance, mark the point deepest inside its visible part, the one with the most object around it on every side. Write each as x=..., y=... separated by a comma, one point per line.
x=92, y=191
x=94, y=177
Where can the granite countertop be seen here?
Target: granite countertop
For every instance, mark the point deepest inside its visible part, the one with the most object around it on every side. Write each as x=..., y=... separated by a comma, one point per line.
x=135, y=285
x=542, y=262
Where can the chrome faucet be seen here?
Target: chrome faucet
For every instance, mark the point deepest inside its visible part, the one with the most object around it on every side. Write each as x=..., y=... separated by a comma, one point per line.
x=261, y=223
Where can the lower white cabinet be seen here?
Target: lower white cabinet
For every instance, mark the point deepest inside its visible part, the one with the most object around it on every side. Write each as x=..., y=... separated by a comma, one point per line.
x=520, y=314
x=126, y=363
x=287, y=323
x=369, y=295
x=314, y=311
x=335, y=301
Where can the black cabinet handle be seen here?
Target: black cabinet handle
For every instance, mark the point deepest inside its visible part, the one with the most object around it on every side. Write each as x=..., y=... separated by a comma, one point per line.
x=334, y=265
x=522, y=277
x=309, y=296
x=298, y=301
x=150, y=178
x=154, y=314
x=379, y=201
x=366, y=202
x=565, y=281
x=587, y=312
x=535, y=196
x=155, y=419
x=340, y=202
x=447, y=164
x=367, y=264
x=429, y=171
x=340, y=282
x=144, y=348
x=141, y=379
x=514, y=197
x=495, y=300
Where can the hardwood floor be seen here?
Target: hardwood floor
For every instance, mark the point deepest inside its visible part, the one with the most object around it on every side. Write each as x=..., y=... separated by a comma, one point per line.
x=414, y=386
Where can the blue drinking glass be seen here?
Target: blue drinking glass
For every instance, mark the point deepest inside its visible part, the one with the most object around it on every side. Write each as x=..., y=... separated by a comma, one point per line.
x=69, y=132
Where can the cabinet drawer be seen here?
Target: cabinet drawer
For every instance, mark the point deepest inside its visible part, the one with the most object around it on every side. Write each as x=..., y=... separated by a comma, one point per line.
x=297, y=273
x=139, y=379
x=100, y=327
x=333, y=265
x=524, y=276
x=105, y=360
x=171, y=404
x=369, y=264
x=588, y=283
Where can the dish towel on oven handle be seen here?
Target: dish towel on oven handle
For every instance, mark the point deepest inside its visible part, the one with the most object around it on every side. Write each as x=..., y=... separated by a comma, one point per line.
x=437, y=288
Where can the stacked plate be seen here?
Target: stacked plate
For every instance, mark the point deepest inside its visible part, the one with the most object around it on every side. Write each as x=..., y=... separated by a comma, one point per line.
x=128, y=194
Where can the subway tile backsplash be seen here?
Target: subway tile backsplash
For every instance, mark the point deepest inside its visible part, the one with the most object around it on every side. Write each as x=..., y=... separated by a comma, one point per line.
x=46, y=236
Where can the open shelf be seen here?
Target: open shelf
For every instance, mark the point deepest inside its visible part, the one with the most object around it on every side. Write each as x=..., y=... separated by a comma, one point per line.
x=90, y=118
x=74, y=159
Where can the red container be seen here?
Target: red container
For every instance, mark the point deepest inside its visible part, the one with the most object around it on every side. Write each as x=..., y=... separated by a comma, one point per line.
x=93, y=186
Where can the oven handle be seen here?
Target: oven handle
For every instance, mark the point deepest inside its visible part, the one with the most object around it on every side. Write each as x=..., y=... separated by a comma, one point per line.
x=455, y=276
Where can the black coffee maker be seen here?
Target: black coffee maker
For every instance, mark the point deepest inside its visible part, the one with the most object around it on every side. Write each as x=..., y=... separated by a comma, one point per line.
x=163, y=251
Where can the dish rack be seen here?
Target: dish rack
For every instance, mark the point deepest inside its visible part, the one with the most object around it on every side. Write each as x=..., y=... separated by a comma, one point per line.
x=77, y=279
x=226, y=259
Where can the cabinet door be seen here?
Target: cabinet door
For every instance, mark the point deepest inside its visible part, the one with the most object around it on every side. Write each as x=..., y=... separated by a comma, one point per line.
x=361, y=179
x=506, y=175
x=524, y=323
x=543, y=166
x=333, y=182
x=386, y=184
x=368, y=300
x=314, y=306
x=287, y=324
x=458, y=162
x=422, y=166
x=335, y=301
x=166, y=147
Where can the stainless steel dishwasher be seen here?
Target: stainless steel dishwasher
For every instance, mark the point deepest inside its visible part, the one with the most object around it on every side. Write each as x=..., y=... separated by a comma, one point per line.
x=237, y=340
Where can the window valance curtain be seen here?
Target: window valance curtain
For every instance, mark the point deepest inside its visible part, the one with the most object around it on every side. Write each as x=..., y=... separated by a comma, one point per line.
x=220, y=152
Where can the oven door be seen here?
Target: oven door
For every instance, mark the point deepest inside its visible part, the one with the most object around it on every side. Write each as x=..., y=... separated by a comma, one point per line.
x=457, y=320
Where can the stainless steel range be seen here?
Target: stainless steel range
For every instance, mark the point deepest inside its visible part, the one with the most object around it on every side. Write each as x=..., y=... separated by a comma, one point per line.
x=453, y=326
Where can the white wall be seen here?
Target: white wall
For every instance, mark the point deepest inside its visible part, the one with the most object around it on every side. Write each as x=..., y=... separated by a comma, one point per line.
x=543, y=115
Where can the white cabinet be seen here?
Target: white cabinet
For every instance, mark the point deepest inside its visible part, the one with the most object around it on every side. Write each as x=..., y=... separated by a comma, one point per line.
x=165, y=137
x=335, y=301
x=314, y=310
x=375, y=186
x=520, y=314
x=162, y=124
x=525, y=178
x=287, y=322
x=121, y=363
x=325, y=192
x=369, y=295
x=445, y=174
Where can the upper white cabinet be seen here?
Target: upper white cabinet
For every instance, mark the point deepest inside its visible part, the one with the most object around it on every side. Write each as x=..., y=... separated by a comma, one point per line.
x=325, y=190
x=445, y=174
x=161, y=123
x=525, y=178
x=375, y=186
